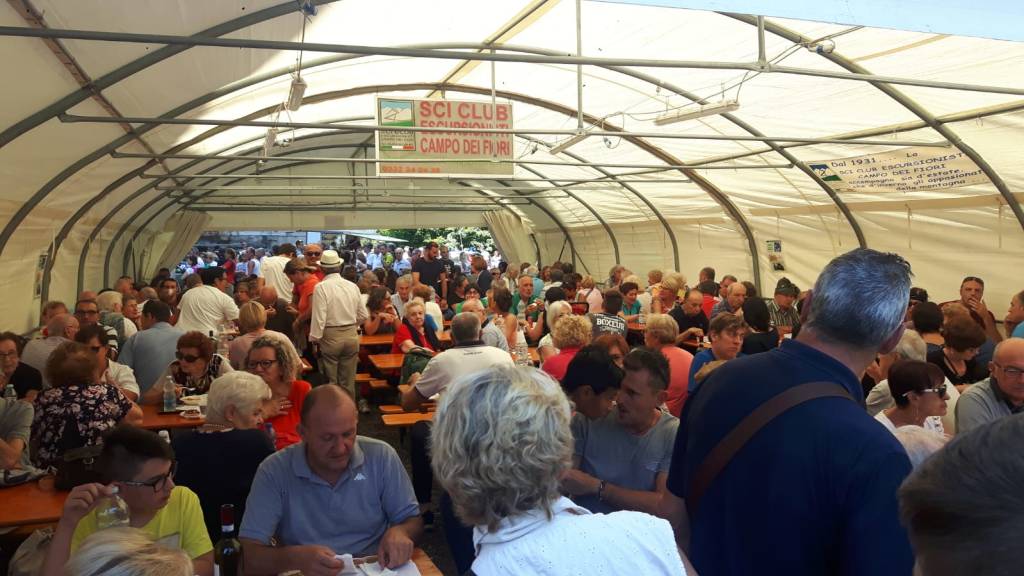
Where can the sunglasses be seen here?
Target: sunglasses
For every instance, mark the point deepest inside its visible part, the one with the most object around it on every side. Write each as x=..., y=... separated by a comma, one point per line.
x=158, y=483
x=264, y=364
x=312, y=253
x=187, y=357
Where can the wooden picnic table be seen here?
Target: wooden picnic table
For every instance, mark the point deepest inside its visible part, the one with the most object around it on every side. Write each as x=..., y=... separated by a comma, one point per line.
x=387, y=339
x=393, y=362
x=406, y=419
x=153, y=420
x=425, y=564
x=37, y=502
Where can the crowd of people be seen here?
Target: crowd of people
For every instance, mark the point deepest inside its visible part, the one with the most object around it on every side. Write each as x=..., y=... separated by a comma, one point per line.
x=802, y=432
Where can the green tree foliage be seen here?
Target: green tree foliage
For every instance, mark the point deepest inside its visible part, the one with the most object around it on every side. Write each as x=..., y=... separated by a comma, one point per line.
x=453, y=237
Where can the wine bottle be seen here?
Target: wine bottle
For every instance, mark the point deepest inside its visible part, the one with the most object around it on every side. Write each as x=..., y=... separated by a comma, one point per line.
x=227, y=553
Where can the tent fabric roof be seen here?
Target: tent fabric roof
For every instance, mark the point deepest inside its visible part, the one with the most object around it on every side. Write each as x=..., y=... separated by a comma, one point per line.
x=100, y=213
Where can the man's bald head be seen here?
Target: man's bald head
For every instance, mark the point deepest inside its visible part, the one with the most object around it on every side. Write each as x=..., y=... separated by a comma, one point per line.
x=87, y=295
x=59, y=324
x=268, y=295
x=1008, y=350
x=326, y=399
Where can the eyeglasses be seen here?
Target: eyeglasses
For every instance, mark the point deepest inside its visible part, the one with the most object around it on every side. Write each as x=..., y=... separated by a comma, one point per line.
x=264, y=364
x=1010, y=371
x=187, y=357
x=941, y=391
x=158, y=483
x=313, y=253
x=13, y=353
x=86, y=312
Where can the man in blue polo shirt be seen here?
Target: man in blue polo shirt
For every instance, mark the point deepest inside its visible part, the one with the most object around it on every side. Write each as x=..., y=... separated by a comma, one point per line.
x=333, y=493
x=814, y=490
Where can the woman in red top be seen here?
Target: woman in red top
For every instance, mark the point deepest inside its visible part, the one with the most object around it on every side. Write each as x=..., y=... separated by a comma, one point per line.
x=414, y=332
x=660, y=334
x=569, y=335
x=229, y=266
x=278, y=364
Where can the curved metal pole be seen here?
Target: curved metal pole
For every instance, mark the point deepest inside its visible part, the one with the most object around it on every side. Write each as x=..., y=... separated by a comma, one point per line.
x=907, y=102
x=106, y=81
x=141, y=63
x=650, y=205
x=4, y=236
x=604, y=224
x=558, y=222
x=702, y=182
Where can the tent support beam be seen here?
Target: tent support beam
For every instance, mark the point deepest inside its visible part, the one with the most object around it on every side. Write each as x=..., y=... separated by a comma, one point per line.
x=345, y=128
x=286, y=46
x=657, y=152
x=518, y=162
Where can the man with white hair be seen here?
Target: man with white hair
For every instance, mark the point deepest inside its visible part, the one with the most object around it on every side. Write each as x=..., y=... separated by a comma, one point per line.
x=61, y=328
x=403, y=293
x=910, y=347
x=491, y=334
x=733, y=302
x=111, y=316
x=468, y=355
x=747, y=457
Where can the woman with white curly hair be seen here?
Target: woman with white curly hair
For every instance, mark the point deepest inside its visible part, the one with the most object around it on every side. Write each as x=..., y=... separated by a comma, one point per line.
x=500, y=444
x=127, y=552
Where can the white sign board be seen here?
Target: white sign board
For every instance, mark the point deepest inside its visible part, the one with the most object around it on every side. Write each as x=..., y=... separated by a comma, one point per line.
x=484, y=154
x=904, y=170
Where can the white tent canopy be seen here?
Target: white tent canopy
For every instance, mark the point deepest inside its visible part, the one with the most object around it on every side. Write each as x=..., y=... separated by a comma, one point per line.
x=100, y=200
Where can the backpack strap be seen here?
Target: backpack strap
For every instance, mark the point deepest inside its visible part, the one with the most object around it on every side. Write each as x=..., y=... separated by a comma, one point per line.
x=720, y=456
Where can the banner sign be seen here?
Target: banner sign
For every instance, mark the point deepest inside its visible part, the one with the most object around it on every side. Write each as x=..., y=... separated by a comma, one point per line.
x=905, y=170
x=395, y=146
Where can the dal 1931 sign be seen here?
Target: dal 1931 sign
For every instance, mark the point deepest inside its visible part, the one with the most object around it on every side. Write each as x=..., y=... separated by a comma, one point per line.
x=904, y=170
x=483, y=154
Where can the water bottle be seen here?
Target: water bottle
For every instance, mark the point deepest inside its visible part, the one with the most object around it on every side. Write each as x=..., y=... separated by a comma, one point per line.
x=165, y=436
x=10, y=393
x=271, y=432
x=112, y=511
x=641, y=319
x=170, y=397
x=522, y=350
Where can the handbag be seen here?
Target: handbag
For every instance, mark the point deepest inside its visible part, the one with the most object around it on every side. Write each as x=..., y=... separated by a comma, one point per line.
x=415, y=360
x=79, y=466
x=28, y=558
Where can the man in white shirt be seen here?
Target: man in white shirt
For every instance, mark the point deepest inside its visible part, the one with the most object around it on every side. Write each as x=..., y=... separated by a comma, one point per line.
x=375, y=259
x=272, y=271
x=401, y=265
x=60, y=329
x=205, y=306
x=338, y=310
x=469, y=355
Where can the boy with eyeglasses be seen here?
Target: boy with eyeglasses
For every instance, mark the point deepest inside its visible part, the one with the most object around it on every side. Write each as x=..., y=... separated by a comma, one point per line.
x=141, y=465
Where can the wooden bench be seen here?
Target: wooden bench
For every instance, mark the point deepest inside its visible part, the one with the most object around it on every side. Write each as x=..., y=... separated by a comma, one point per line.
x=377, y=384
x=406, y=419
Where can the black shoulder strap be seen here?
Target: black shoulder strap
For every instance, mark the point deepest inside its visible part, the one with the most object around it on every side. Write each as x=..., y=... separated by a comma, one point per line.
x=733, y=442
